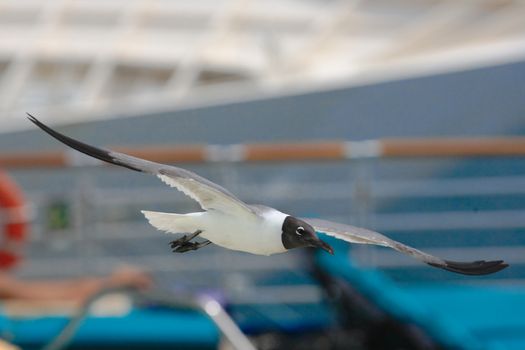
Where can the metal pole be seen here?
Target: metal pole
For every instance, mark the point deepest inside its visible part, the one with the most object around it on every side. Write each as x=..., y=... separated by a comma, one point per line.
x=229, y=329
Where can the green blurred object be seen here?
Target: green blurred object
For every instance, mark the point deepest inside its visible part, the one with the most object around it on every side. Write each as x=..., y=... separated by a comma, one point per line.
x=58, y=215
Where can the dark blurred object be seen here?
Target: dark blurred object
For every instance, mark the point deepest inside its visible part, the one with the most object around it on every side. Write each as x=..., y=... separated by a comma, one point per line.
x=364, y=322
x=326, y=340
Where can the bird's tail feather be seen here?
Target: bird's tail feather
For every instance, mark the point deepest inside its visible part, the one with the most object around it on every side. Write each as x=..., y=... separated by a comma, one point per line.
x=174, y=223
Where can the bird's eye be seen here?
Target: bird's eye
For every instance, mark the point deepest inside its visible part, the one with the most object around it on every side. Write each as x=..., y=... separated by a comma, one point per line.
x=300, y=230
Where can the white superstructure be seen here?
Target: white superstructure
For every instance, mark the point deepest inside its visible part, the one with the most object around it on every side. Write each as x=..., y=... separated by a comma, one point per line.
x=82, y=59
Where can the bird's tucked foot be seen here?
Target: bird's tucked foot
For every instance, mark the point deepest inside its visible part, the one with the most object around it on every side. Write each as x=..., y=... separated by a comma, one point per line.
x=187, y=246
x=183, y=244
x=184, y=239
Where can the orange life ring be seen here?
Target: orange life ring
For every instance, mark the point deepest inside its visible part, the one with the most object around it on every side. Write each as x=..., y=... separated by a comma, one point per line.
x=14, y=225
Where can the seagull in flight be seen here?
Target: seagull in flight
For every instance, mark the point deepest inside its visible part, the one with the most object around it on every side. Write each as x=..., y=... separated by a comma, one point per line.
x=230, y=223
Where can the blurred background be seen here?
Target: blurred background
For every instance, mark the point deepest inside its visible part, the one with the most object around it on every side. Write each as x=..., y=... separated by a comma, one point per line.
x=206, y=75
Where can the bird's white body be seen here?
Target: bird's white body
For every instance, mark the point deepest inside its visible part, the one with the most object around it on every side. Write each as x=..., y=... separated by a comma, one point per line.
x=246, y=233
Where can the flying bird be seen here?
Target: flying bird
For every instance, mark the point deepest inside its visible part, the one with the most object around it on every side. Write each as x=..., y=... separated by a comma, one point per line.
x=230, y=223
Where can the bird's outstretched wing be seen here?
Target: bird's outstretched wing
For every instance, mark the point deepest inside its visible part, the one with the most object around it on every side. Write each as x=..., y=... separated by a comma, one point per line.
x=208, y=194
x=354, y=234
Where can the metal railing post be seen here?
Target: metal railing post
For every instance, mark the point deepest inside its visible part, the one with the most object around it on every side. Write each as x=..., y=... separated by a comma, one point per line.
x=361, y=205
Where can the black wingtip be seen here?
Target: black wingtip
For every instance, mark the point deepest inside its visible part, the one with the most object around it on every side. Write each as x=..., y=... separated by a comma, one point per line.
x=94, y=152
x=480, y=267
x=33, y=119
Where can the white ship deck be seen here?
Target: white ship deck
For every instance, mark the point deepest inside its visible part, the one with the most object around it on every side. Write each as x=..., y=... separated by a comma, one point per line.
x=83, y=59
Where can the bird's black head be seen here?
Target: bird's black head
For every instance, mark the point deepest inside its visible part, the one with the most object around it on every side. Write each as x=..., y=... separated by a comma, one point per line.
x=298, y=234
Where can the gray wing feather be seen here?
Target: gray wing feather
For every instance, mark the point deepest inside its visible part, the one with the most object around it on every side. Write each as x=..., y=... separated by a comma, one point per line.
x=208, y=194
x=360, y=235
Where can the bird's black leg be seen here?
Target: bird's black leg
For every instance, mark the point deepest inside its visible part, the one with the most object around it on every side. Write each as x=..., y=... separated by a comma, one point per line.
x=183, y=244
x=186, y=247
x=184, y=239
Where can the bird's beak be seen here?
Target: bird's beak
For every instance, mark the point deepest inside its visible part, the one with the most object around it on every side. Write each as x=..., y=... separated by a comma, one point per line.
x=324, y=246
